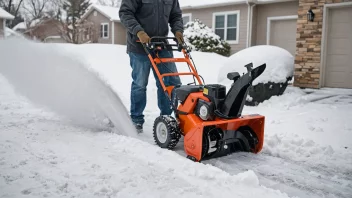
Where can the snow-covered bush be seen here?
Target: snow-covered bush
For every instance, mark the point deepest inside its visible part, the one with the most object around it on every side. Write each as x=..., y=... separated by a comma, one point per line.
x=201, y=38
x=273, y=81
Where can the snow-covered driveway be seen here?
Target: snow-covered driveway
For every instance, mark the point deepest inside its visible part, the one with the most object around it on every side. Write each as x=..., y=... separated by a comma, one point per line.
x=308, y=145
x=307, y=149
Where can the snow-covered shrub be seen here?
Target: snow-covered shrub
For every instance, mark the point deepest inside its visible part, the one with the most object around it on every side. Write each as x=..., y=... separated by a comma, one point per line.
x=200, y=37
x=273, y=81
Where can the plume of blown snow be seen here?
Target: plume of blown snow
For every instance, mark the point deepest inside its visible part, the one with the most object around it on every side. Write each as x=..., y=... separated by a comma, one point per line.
x=57, y=81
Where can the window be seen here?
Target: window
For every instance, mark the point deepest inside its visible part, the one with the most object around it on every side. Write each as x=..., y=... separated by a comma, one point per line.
x=226, y=24
x=186, y=18
x=104, y=30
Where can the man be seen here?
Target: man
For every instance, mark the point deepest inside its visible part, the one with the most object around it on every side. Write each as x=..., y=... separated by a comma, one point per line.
x=144, y=19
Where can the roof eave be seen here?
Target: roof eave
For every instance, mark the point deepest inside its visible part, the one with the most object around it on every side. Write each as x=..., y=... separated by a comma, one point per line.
x=273, y=1
x=8, y=18
x=212, y=5
x=232, y=3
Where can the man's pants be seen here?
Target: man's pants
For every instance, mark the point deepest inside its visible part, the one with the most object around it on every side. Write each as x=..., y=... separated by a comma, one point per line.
x=141, y=67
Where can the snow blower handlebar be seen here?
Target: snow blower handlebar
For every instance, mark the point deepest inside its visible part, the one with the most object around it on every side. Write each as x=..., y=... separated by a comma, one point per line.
x=160, y=43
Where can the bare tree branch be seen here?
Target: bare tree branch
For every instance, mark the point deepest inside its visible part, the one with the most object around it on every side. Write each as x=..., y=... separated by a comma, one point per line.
x=35, y=9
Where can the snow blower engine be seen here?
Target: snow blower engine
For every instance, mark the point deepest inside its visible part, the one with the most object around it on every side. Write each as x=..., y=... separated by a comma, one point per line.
x=209, y=118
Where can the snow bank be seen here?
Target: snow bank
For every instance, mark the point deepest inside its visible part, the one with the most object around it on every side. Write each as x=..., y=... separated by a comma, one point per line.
x=279, y=64
x=58, y=81
x=309, y=127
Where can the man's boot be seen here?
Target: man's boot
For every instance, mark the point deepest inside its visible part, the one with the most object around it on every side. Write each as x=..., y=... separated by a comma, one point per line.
x=139, y=128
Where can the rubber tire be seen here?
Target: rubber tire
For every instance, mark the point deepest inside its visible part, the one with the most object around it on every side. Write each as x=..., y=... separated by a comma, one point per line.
x=173, y=132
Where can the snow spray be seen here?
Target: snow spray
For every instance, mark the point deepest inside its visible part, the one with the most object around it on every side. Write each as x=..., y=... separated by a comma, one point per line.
x=52, y=79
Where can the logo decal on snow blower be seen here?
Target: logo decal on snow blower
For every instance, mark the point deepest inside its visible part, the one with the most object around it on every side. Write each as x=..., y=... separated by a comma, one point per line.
x=205, y=91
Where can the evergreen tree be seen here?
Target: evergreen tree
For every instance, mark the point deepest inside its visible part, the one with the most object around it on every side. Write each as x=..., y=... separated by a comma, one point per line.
x=201, y=38
x=74, y=11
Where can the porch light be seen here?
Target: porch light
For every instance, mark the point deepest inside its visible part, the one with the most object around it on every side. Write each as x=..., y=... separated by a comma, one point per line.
x=310, y=15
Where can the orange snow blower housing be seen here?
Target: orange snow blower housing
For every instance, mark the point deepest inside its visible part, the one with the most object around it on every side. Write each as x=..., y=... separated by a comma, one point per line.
x=210, y=119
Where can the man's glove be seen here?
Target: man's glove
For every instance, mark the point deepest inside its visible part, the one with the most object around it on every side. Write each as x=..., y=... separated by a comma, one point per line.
x=143, y=37
x=179, y=37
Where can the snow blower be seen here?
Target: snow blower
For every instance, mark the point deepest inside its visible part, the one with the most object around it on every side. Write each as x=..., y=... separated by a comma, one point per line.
x=210, y=119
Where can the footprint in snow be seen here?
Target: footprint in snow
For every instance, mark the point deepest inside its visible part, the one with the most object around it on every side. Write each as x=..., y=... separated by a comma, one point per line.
x=26, y=191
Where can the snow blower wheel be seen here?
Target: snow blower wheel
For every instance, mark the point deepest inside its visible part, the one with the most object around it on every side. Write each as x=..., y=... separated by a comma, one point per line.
x=165, y=131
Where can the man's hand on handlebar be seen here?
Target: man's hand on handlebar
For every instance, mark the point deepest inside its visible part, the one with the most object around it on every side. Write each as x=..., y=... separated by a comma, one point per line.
x=179, y=37
x=143, y=37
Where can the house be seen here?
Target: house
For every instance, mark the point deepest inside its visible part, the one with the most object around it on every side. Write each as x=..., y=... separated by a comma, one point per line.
x=324, y=44
x=107, y=21
x=244, y=23
x=322, y=47
x=48, y=30
x=4, y=16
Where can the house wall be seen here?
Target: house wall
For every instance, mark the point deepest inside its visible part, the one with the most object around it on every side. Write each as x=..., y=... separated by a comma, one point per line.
x=44, y=30
x=269, y=10
x=206, y=16
x=120, y=34
x=1, y=28
x=309, y=39
x=97, y=20
x=254, y=26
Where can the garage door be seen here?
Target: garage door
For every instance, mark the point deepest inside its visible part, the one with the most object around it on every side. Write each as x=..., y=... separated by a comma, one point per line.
x=283, y=34
x=338, y=66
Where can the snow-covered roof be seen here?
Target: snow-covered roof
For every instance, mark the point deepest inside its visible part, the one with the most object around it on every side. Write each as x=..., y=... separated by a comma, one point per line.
x=187, y=4
x=25, y=25
x=5, y=15
x=110, y=12
x=19, y=26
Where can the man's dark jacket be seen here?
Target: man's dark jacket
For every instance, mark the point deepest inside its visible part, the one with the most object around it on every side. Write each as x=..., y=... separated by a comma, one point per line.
x=151, y=16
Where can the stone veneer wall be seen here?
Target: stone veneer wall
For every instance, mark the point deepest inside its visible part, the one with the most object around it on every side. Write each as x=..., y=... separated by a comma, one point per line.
x=309, y=37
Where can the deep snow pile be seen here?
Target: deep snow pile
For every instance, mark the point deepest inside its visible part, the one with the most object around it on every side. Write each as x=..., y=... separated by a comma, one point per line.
x=279, y=64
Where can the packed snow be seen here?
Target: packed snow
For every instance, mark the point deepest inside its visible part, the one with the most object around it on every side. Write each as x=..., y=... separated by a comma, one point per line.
x=279, y=64
x=307, y=148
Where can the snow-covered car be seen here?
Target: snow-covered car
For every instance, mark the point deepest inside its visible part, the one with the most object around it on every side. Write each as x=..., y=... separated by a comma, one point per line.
x=273, y=82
